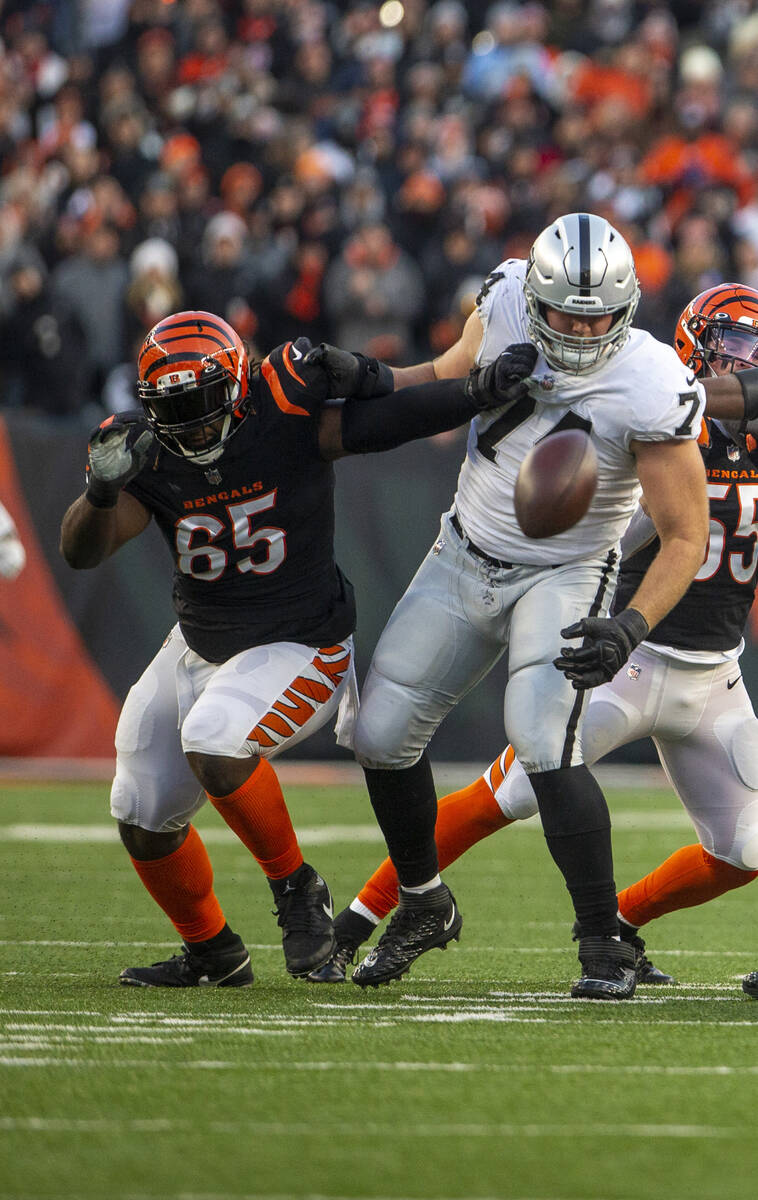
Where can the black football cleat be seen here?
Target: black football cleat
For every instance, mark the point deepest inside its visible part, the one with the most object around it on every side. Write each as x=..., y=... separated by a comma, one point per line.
x=351, y=930
x=421, y=922
x=304, y=911
x=607, y=970
x=229, y=967
x=334, y=969
x=750, y=985
x=644, y=969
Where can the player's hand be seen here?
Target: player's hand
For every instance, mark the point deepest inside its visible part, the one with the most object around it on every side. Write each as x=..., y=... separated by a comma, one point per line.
x=118, y=450
x=352, y=375
x=608, y=642
x=502, y=381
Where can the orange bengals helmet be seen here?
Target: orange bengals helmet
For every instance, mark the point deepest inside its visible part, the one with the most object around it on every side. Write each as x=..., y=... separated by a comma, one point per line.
x=193, y=380
x=718, y=330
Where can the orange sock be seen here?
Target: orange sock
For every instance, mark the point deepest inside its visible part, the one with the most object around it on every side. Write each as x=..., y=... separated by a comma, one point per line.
x=463, y=818
x=182, y=884
x=257, y=813
x=690, y=876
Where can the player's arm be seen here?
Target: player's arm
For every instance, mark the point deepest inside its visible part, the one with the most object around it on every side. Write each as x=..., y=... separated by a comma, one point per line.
x=455, y=363
x=673, y=480
x=105, y=516
x=382, y=422
x=732, y=397
x=89, y=535
x=640, y=531
x=360, y=377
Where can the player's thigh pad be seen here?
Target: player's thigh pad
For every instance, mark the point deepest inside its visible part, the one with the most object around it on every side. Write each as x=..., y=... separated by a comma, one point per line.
x=267, y=699
x=611, y=719
x=714, y=768
x=154, y=786
x=444, y=635
x=625, y=709
x=543, y=712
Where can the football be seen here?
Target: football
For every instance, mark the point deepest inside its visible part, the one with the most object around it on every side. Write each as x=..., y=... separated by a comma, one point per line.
x=555, y=483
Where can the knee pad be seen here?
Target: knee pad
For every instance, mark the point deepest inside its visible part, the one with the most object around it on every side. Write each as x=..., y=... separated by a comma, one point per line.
x=387, y=733
x=744, y=851
x=743, y=751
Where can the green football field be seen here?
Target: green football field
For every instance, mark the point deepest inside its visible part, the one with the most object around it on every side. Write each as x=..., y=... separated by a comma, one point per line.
x=476, y=1076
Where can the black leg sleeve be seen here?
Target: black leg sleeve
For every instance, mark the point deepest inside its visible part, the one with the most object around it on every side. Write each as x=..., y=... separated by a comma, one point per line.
x=577, y=830
x=405, y=804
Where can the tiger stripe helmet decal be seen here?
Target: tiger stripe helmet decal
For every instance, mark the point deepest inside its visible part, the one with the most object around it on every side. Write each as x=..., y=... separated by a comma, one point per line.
x=193, y=382
x=721, y=323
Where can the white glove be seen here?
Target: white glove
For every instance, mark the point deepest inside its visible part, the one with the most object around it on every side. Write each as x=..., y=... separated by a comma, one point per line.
x=117, y=452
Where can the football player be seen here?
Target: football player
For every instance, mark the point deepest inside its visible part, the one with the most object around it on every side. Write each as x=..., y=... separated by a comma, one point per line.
x=682, y=686
x=235, y=467
x=485, y=589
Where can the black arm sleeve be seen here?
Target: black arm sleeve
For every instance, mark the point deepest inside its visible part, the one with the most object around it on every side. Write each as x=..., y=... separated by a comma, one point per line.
x=384, y=422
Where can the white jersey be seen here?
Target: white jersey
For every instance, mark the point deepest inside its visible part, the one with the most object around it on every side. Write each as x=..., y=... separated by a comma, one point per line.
x=644, y=393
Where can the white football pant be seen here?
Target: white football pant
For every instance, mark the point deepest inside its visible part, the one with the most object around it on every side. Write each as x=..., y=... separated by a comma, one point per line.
x=259, y=702
x=456, y=619
x=706, y=734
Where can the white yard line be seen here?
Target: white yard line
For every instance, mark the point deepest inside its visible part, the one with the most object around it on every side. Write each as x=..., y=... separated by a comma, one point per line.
x=324, y=835
x=371, y=1129
x=63, y=943
x=451, y=1068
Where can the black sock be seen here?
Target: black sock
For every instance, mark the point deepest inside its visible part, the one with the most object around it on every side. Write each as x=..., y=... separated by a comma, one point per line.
x=224, y=939
x=288, y=882
x=577, y=830
x=405, y=804
x=351, y=926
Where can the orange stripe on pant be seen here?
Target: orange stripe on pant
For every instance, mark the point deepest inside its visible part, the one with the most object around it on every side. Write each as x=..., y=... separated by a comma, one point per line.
x=292, y=711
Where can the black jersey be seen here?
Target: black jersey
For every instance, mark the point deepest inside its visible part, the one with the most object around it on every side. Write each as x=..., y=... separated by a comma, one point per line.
x=252, y=535
x=713, y=612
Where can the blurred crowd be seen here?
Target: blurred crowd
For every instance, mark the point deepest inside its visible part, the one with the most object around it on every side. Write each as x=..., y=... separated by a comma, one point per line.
x=349, y=170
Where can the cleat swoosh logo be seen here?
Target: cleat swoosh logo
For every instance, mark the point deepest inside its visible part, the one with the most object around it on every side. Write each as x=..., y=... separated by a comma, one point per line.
x=328, y=909
x=449, y=922
x=730, y=683
x=295, y=353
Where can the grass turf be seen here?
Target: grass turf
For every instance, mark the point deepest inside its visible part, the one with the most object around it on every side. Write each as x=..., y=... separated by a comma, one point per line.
x=474, y=1077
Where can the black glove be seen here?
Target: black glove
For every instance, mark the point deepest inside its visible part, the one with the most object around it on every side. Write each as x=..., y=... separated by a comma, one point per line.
x=502, y=382
x=608, y=642
x=352, y=375
x=118, y=450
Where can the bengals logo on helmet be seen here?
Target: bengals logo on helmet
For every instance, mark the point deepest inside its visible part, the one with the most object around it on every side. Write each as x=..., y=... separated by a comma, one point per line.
x=193, y=381
x=719, y=326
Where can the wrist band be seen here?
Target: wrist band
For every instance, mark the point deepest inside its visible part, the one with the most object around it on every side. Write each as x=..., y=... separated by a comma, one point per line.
x=101, y=494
